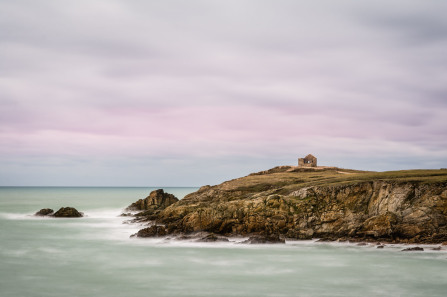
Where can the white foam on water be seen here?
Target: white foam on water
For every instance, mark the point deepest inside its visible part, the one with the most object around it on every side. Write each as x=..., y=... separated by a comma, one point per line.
x=103, y=213
x=113, y=227
x=271, y=271
x=21, y=216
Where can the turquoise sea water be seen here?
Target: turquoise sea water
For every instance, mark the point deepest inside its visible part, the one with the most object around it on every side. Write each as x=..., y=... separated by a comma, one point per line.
x=94, y=256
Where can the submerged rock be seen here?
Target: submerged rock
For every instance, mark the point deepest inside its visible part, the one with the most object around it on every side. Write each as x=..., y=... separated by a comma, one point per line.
x=261, y=239
x=213, y=238
x=413, y=249
x=44, y=212
x=68, y=212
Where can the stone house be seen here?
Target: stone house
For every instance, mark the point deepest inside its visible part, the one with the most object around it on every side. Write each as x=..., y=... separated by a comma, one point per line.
x=308, y=161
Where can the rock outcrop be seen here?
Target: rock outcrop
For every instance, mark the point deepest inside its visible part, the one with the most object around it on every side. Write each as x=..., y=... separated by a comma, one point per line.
x=157, y=200
x=44, y=212
x=63, y=212
x=404, y=206
x=68, y=212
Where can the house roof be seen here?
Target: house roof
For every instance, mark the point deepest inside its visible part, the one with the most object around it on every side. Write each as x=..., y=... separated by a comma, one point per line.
x=310, y=156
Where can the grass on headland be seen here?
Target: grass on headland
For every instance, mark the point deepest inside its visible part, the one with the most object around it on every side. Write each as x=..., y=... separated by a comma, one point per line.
x=290, y=178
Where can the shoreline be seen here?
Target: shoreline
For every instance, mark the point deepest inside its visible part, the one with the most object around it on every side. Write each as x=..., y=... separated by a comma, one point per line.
x=398, y=207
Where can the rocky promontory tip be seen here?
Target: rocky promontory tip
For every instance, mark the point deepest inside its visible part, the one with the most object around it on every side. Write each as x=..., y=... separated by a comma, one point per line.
x=63, y=212
x=329, y=203
x=157, y=200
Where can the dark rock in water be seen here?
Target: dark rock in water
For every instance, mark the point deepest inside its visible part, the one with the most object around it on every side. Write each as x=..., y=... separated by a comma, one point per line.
x=44, y=212
x=156, y=200
x=213, y=238
x=153, y=231
x=380, y=246
x=436, y=248
x=413, y=249
x=325, y=240
x=183, y=237
x=362, y=244
x=259, y=239
x=68, y=212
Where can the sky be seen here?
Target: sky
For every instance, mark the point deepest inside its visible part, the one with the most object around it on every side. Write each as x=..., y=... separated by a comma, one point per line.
x=188, y=93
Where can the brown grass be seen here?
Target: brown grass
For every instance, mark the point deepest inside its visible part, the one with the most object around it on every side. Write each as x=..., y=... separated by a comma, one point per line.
x=277, y=178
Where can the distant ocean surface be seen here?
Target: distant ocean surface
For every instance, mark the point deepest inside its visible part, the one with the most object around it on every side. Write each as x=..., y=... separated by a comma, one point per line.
x=94, y=256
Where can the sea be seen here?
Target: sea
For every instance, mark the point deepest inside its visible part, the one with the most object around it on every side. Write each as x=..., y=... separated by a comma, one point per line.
x=95, y=256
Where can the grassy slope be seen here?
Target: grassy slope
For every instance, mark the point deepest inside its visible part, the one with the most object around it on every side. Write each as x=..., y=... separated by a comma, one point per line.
x=283, y=177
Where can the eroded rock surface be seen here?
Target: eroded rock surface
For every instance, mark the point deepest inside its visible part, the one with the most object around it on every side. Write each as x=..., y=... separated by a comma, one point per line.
x=404, y=206
x=157, y=200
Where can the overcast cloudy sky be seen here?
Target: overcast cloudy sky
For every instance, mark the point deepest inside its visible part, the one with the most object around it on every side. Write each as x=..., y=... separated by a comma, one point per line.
x=177, y=93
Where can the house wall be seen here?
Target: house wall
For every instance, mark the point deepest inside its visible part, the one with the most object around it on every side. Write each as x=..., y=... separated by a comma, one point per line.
x=303, y=162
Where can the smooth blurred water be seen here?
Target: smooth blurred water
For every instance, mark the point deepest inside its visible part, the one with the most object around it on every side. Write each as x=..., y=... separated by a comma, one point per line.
x=94, y=256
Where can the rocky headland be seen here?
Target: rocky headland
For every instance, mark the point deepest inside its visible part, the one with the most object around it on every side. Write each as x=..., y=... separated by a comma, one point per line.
x=304, y=203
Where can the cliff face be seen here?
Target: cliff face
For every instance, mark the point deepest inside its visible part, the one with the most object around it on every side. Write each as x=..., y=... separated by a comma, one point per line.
x=326, y=204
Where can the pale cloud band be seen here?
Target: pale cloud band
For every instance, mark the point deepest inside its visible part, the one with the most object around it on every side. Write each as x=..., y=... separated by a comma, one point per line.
x=232, y=85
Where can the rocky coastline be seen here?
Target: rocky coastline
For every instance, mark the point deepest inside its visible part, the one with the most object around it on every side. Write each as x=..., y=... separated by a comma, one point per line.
x=286, y=202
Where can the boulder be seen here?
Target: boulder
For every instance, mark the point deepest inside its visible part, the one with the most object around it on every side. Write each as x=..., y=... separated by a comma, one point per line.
x=153, y=231
x=213, y=238
x=44, y=212
x=413, y=249
x=262, y=239
x=68, y=212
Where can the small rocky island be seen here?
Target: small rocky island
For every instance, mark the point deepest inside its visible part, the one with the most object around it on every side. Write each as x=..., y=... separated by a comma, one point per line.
x=63, y=212
x=305, y=202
